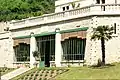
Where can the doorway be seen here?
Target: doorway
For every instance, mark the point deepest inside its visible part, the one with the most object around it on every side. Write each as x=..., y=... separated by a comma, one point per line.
x=46, y=48
x=47, y=54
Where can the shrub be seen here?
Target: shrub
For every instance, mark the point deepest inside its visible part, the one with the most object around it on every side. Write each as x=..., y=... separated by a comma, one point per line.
x=36, y=75
x=52, y=71
x=45, y=78
x=45, y=74
x=40, y=74
x=31, y=74
x=40, y=79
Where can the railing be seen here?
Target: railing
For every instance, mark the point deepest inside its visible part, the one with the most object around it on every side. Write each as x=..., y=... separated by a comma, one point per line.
x=54, y=17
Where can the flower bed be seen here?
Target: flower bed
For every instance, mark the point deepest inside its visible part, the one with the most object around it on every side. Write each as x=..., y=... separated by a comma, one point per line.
x=41, y=74
x=5, y=70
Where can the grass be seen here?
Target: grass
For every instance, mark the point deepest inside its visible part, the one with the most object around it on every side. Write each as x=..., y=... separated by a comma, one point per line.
x=74, y=73
x=5, y=70
x=82, y=73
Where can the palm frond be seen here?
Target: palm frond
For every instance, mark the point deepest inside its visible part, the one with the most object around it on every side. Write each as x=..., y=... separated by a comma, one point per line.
x=102, y=32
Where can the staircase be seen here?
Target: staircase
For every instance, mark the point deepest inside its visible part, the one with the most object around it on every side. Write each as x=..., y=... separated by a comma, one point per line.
x=14, y=73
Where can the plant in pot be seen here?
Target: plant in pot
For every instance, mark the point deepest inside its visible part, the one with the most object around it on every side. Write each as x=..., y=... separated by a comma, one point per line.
x=36, y=55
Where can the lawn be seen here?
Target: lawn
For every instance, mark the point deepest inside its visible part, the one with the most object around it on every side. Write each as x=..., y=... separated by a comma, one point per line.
x=81, y=73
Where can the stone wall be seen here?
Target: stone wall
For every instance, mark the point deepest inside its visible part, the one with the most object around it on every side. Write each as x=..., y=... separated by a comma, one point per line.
x=63, y=3
x=112, y=47
x=3, y=26
x=63, y=25
x=93, y=48
x=6, y=50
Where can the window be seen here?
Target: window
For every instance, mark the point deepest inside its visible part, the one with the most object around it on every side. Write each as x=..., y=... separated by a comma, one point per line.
x=103, y=8
x=103, y=1
x=63, y=8
x=22, y=52
x=100, y=1
x=73, y=48
x=67, y=7
x=97, y=1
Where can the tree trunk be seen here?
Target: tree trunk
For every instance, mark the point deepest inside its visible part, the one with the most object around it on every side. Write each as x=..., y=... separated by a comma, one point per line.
x=103, y=50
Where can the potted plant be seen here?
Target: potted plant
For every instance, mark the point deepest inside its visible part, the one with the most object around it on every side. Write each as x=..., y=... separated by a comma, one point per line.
x=36, y=55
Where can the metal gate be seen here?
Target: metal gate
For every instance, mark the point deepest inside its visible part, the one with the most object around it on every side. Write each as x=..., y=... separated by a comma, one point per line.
x=46, y=48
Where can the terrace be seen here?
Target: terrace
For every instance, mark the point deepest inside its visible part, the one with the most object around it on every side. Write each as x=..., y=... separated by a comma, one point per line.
x=106, y=9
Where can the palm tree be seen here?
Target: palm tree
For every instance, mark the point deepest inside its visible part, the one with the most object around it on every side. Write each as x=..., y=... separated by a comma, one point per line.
x=102, y=33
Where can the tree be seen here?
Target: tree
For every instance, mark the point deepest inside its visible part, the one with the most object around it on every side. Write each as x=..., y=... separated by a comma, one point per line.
x=103, y=33
x=21, y=9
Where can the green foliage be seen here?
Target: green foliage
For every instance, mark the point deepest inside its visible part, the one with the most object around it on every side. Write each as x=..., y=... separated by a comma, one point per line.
x=20, y=9
x=102, y=32
x=36, y=54
x=73, y=5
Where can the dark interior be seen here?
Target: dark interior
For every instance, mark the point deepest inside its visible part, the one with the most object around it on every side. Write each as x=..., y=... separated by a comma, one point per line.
x=47, y=54
x=46, y=48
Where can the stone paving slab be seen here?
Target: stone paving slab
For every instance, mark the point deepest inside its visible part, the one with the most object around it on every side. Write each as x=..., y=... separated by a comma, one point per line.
x=14, y=73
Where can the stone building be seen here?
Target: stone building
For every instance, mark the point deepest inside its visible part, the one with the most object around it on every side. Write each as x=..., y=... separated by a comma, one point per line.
x=62, y=38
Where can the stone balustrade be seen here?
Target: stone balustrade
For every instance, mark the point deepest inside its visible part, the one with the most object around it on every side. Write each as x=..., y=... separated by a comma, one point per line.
x=71, y=14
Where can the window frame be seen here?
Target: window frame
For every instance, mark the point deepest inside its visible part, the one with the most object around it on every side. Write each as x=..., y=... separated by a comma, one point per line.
x=72, y=49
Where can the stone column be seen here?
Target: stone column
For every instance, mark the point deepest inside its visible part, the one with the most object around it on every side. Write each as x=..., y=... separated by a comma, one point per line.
x=58, y=55
x=32, y=49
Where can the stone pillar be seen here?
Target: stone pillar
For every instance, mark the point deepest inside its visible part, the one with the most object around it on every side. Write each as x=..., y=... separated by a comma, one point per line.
x=58, y=55
x=32, y=49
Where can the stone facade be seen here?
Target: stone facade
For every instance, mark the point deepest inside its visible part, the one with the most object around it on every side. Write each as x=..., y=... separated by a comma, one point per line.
x=89, y=14
x=6, y=50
